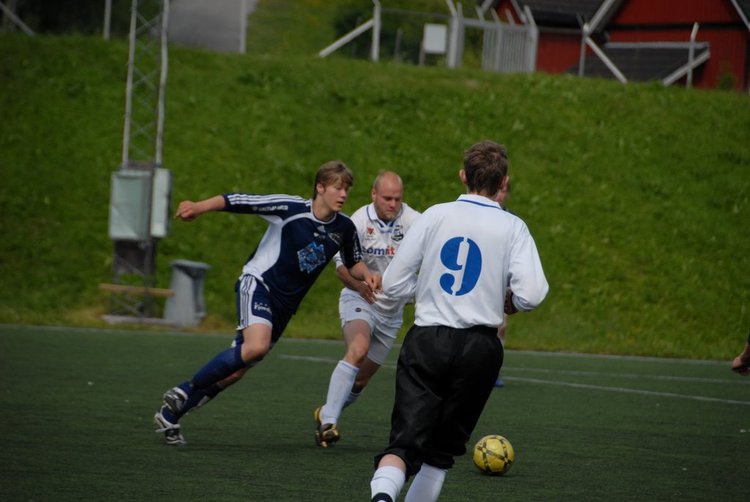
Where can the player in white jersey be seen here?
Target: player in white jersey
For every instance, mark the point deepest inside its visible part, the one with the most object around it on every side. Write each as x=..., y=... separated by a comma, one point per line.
x=370, y=320
x=502, y=199
x=459, y=259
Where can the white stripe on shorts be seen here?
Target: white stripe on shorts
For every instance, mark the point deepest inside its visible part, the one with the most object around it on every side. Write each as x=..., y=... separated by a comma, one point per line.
x=248, y=285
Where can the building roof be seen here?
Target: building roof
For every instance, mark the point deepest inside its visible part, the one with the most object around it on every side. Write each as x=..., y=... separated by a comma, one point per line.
x=570, y=13
x=745, y=6
x=743, y=9
x=573, y=13
x=665, y=62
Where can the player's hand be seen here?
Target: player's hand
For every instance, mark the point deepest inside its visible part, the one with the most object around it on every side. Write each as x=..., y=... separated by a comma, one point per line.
x=741, y=366
x=375, y=282
x=370, y=285
x=509, y=308
x=187, y=211
x=366, y=292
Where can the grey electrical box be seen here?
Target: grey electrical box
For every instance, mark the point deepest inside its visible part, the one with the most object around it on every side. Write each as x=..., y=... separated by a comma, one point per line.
x=139, y=204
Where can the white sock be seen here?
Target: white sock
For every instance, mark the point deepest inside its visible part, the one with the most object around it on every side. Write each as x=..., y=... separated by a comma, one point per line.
x=426, y=485
x=352, y=397
x=341, y=383
x=389, y=480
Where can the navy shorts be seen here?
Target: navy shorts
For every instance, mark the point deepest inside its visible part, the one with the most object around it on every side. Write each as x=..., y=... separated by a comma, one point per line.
x=255, y=304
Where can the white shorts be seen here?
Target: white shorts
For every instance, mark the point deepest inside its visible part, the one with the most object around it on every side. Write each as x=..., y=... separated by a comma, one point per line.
x=383, y=329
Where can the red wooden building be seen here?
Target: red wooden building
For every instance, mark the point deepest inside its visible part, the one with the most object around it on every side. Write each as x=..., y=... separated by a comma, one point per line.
x=641, y=40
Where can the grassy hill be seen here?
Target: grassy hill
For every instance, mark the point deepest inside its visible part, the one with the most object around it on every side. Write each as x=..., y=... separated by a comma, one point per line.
x=638, y=196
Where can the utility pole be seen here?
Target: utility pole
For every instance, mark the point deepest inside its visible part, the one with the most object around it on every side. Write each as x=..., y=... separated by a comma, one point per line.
x=139, y=204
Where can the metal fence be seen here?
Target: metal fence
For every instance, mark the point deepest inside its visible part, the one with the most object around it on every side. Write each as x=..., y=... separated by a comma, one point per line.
x=502, y=47
x=509, y=48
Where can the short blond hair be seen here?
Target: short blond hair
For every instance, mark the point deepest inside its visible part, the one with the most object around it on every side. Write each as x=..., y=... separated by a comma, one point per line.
x=331, y=173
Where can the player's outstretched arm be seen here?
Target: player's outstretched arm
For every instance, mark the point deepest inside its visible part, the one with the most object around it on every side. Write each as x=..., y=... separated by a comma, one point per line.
x=188, y=210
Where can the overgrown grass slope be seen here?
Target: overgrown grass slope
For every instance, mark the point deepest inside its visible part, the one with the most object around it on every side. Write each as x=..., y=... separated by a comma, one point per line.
x=637, y=195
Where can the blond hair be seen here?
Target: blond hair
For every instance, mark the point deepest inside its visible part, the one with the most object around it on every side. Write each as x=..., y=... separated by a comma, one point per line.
x=331, y=173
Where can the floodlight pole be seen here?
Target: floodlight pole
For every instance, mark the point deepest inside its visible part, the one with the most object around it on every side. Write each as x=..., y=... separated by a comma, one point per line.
x=107, y=19
x=375, y=45
x=129, y=84
x=162, y=83
x=144, y=94
x=140, y=187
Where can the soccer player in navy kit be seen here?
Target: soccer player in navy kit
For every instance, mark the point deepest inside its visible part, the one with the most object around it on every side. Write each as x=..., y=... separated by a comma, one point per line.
x=369, y=320
x=301, y=238
x=458, y=258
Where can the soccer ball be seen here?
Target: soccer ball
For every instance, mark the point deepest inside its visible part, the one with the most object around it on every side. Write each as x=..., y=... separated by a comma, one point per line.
x=494, y=455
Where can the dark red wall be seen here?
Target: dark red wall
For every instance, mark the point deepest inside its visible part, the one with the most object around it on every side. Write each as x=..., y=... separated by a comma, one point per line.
x=557, y=52
x=672, y=20
x=664, y=20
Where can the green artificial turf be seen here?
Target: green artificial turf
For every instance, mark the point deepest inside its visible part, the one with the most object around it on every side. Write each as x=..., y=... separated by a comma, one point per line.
x=75, y=421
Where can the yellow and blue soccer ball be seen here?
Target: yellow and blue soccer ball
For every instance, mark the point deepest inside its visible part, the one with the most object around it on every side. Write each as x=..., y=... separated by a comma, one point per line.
x=494, y=455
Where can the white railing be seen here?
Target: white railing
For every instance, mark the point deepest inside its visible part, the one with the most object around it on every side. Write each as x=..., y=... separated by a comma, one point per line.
x=611, y=66
x=691, y=55
x=507, y=47
x=16, y=20
x=373, y=24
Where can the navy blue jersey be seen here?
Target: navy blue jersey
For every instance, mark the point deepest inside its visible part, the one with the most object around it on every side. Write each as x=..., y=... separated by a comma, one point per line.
x=296, y=245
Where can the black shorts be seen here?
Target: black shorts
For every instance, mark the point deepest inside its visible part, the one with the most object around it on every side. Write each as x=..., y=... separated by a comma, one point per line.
x=444, y=378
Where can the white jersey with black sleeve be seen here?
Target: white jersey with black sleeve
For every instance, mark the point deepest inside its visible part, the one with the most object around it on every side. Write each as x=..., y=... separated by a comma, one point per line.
x=459, y=258
x=379, y=241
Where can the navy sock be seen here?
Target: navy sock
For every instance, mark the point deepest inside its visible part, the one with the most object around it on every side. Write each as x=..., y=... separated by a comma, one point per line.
x=186, y=387
x=166, y=413
x=198, y=398
x=224, y=364
x=382, y=497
